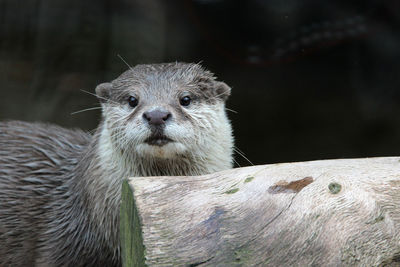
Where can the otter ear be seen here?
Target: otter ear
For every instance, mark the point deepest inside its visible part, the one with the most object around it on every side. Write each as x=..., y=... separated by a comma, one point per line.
x=222, y=90
x=103, y=92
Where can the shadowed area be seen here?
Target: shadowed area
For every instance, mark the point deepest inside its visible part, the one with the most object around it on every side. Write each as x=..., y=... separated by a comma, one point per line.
x=311, y=79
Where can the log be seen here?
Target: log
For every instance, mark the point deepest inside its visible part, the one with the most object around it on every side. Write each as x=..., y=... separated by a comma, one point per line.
x=320, y=213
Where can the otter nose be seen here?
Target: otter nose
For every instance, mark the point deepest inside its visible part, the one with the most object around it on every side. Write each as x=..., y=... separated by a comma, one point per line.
x=157, y=117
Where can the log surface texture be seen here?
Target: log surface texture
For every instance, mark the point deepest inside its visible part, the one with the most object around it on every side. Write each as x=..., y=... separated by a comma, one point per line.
x=321, y=213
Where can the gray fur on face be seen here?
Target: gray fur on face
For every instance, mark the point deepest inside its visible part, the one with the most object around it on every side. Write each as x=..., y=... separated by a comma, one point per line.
x=60, y=188
x=150, y=82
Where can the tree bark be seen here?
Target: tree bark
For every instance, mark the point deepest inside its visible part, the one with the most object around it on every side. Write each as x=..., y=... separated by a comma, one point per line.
x=320, y=213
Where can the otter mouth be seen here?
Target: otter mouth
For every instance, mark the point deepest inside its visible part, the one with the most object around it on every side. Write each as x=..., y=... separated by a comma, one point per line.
x=158, y=140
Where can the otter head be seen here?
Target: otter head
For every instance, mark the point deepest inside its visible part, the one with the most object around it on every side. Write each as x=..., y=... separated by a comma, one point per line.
x=168, y=111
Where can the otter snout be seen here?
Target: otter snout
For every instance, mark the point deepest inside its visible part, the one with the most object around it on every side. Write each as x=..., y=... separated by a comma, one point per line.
x=156, y=120
x=157, y=117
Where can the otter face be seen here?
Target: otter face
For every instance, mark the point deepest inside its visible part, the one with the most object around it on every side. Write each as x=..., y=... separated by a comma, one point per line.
x=166, y=111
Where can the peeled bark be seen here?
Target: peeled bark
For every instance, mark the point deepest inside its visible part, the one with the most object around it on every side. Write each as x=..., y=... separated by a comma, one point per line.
x=323, y=213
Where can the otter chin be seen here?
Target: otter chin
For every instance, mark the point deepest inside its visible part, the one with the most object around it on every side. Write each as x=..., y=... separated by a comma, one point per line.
x=158, y=140
x=169, y=150
x=64, y=186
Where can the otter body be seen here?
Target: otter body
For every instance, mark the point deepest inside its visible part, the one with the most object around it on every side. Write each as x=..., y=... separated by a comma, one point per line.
x=60, y=188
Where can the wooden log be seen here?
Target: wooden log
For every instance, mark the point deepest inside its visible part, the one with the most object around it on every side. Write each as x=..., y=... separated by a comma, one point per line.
x=320, y=213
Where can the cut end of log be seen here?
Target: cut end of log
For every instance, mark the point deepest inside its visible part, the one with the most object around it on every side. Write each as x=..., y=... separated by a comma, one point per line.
x=131, y=238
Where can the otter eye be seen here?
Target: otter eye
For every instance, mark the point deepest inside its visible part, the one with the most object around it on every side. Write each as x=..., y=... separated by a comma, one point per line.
x=133, y=101
x=185, y=101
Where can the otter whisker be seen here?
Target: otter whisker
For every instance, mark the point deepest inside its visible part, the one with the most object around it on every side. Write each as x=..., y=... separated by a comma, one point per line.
x=216, y=96
x=240, y=153
x=86, y=109
x=123, y=60
x=116, y=121
x=231, y=110
x=235, y=147
x=237, y=163
x=106, y=99
x=117, y=128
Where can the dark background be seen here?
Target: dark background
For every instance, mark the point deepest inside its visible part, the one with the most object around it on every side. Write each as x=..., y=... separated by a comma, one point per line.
x=311, y=79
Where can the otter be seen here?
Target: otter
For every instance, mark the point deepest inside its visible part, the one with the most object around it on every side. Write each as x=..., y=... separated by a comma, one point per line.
x=60, y=188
